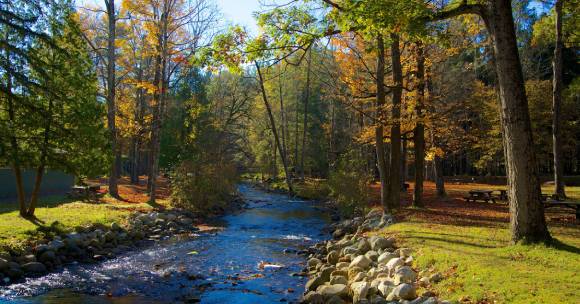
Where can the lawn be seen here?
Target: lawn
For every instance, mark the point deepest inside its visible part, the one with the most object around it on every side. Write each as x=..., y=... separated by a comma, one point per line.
x=470, y=244
x=57, y=214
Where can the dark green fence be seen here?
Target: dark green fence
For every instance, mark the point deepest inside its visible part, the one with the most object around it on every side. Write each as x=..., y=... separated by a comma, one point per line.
x=53, y=182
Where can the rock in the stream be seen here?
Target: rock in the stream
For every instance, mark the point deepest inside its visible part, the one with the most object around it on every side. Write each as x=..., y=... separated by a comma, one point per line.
x=314, y=282
x=313, y=262
x=4, y=264
x=34, y=267
x=313, y=298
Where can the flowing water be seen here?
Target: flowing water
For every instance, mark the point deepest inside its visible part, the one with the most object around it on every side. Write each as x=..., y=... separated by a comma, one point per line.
x=250, y=261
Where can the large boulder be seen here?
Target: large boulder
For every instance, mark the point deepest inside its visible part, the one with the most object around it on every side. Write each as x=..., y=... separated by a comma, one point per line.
x=361, y=261
x=386, y=257
x=378, y=243
x=34, y=267
x=313, y=298
x=329, y=291
x=4, y=264
x=359, y=291
x=392, y=264
x=404, y=274
x=332, y=257
x=314, y=282
x=403, y=292
x=313, y=262
x=385, y=287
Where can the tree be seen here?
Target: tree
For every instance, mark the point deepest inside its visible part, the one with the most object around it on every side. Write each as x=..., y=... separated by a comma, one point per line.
x=557, y=102
x=527, y=218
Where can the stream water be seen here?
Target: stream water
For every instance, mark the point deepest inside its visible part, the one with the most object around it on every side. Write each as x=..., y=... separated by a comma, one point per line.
x=251, y=260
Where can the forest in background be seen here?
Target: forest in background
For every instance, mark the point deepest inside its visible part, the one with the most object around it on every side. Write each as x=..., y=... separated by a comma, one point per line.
x=143, y=87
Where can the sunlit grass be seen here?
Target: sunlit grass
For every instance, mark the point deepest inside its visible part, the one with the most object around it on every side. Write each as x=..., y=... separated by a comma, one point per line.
x=481, y=266
x=59, y=214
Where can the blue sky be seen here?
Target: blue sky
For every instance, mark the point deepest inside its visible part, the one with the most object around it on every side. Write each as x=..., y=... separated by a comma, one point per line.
x=240, y=12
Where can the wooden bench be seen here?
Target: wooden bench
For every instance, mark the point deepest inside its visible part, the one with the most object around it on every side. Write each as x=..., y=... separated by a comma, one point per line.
x=551, y=203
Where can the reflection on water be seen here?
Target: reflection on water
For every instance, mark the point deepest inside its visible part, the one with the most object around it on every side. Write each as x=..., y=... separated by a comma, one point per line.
x=228, y=266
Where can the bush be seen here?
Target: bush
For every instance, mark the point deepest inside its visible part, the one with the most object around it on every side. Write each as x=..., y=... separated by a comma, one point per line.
x=203, y=187
x=349, y=184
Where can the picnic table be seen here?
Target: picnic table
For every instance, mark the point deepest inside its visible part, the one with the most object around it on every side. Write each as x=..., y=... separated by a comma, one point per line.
x=89, y=191
x=551, y=203
x=484, y=195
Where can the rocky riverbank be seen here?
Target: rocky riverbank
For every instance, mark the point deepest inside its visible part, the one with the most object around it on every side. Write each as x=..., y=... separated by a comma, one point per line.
x=356, y=268
x=97, y=242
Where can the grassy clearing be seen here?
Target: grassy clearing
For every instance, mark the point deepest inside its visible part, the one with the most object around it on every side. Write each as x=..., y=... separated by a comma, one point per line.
x=481, y=267
x=470, y=245
x=58, y=214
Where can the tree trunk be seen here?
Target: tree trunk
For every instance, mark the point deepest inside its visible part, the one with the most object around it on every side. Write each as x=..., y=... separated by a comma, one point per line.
x=556, y=104
x=404, y=150
x=305, y=121
x=284, y=126
x=527, y=219
x=394, y=193
x=159, y=96
x=419, y=132
x=111, y=58
x=41, y=166
x=14, y=147
x=379, y=141
x=273, y=125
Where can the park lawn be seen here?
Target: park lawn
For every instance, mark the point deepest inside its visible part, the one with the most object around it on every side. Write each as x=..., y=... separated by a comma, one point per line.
x=480, y=266
x=58, y=214
x=470, y=244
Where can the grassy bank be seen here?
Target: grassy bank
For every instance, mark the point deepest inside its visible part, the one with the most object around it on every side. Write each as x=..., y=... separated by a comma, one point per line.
x=470, y=244
x=58, y=214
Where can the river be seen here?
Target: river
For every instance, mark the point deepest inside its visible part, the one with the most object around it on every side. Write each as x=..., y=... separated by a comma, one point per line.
x=252, y=260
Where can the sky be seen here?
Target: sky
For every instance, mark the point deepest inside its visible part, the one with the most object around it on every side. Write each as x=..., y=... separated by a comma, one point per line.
x=240, y=12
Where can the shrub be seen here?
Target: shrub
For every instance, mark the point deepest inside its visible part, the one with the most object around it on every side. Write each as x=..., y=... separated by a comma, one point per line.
x=349, y=184
x=203, y=187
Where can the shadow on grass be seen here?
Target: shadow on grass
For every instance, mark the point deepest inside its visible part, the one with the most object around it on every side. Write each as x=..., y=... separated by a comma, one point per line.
x=559, y=245
x=49, y=202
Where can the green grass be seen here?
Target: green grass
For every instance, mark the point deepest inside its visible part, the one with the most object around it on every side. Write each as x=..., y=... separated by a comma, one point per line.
x=481, y=267
x=58, y=214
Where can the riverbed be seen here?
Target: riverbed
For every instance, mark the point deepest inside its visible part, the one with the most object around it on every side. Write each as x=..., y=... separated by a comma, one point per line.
x=251, y=259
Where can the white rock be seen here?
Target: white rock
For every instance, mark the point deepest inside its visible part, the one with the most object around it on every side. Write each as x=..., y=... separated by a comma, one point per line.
x=405, y=292
x=328, y=291
x=386, y=257
x=385, y=287
x=359, y=291
x=361, y=261
x=404, y=274
x=392, y=264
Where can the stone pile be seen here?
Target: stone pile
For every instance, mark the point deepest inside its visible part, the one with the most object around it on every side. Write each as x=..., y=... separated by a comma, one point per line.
x=91, y=244
x=354, y=268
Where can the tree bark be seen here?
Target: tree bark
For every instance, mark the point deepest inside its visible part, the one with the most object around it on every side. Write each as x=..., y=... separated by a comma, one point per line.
x=556, y=104
x=41, y=166
x=14, y=147
x=397, y=91
x=379, y=138
x=273, y=125
x=111, y=58
x=528, y=223
x=419, y=132
x=404, y=151
x=305, y=121
x=284, y=126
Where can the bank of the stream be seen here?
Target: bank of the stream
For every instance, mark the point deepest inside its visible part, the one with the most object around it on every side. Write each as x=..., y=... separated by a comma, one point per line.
x=257, y=257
